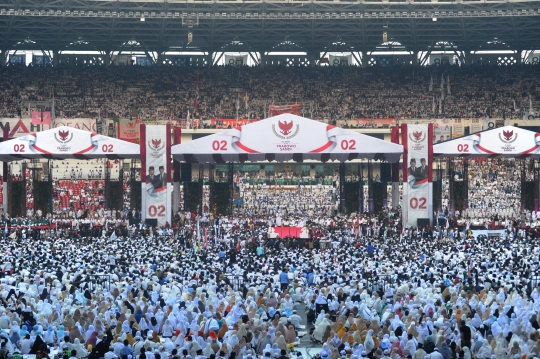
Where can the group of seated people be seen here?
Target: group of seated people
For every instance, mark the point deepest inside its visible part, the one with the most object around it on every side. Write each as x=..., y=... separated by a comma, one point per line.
x=263, y=199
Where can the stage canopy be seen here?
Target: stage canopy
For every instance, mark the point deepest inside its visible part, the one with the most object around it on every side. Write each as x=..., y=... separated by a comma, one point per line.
x=283, y=138
x=67, y=142
x=507, y=141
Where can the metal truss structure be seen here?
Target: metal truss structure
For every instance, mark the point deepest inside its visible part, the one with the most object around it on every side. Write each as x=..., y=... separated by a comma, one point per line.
x=311, y=26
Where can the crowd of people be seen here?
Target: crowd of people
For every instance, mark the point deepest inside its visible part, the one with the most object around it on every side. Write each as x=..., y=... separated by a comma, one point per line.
x=494, y=191
x=329, y=93
x=374, y=291
x=264, y=199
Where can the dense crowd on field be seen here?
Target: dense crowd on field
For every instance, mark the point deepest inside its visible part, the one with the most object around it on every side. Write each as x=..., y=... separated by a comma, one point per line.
x=358, y=287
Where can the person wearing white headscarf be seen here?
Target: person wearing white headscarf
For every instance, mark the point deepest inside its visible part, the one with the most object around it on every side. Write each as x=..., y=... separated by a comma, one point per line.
x=320, y=328
x=485, y=351
x=167, y=330
x=467, y=352
x=207, y=350
x=81, y=352
x=325, y=351
x=369, y=344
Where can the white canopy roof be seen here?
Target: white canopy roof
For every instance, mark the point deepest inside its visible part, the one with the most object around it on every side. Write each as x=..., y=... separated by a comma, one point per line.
x=67, y=142
x=283, y=138
x=507, y=141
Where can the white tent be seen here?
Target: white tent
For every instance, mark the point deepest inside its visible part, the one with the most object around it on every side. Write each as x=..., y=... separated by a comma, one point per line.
x=283, y=138
x=507, y=141
x=67, y=142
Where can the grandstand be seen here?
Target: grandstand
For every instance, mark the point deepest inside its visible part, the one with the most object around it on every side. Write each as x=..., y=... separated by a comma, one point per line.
x=206, y=66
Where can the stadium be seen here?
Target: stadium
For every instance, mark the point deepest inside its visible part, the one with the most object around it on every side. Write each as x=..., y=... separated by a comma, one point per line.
x=281, y=179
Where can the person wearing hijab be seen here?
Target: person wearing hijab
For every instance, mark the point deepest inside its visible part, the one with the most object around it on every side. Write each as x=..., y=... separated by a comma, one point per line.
x=266, y=340
x=38, y=344
x=280, y=341
x=92, y=340
x=81, y=352
x=290, y=335
x=75, y=333
x=369, y=344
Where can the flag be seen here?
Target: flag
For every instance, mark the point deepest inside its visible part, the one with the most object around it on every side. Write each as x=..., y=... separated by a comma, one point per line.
x=198, y=235
x=237, y=108
x=113, y=235
x=447, y=224
x=442, y=82
x=107, y=224
x=196, y=102
x=440, y=105
x=6, y=229
x=448, y=85
x=433, y=105
x=515, y=108
x=53, y=112
x=238, y=246
x=205, y=239
x=431, y=84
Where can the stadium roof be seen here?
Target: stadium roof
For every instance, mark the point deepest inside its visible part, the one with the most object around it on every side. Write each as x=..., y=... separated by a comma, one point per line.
x=312, y=25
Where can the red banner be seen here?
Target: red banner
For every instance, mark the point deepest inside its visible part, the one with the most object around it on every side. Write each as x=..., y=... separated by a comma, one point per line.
x=41, y=117
x=129, y=131
x=279, y=110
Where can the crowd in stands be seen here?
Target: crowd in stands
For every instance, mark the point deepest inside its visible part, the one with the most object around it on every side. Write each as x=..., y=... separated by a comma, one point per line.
x=330, y=93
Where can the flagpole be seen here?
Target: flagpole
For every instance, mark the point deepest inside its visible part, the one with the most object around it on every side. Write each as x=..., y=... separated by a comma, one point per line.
x=237, y=110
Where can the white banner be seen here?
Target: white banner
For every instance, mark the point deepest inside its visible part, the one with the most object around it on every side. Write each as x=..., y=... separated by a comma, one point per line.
x=442, y=130
x=87, y=124
x=21, y=127
x=287, y=137
x=156, y=187
x=416, y=194
x=24, y=126
x=507, y=141
x=66, y=142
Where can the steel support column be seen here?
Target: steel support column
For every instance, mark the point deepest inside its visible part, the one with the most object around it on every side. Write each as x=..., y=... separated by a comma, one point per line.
x=5, y=173
x=361, y=189
x=536, y=182
x=465, y=185
x=341, y=187
x=371, y=208
x=211, y=181
x=450, y=170
x=231, y=187
x=201, y=188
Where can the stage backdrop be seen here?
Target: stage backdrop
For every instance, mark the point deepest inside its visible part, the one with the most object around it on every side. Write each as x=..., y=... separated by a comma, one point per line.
x=417, y=143
x=156, y=167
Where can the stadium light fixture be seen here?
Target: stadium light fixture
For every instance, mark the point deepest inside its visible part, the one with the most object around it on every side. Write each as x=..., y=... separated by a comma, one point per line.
x=434, y=19
x=143, y=19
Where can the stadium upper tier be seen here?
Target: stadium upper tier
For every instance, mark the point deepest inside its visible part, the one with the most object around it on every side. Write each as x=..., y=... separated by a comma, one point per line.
x=333, y=93
x=260, y=25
